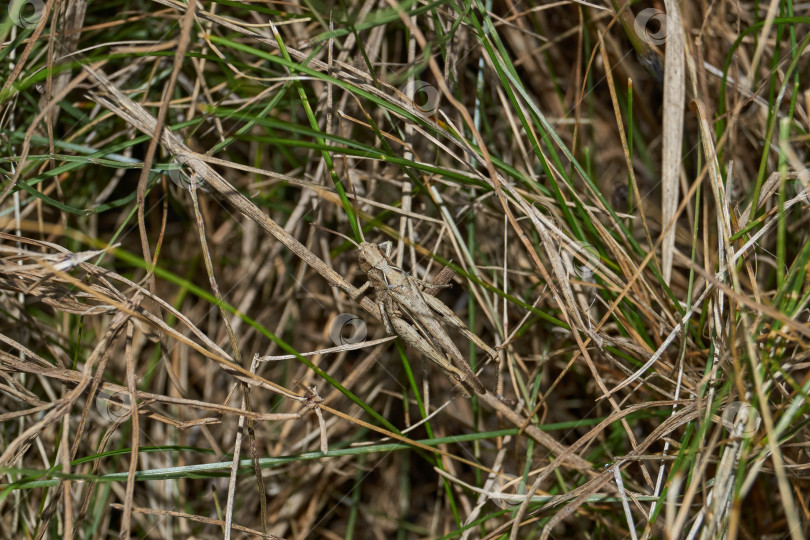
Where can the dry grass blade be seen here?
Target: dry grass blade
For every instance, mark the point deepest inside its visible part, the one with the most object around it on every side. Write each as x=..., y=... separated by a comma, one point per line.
x=674, y=96
x=139, y=118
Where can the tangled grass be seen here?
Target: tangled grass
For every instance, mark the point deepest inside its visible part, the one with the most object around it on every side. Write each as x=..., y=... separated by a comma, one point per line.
x=620, y=191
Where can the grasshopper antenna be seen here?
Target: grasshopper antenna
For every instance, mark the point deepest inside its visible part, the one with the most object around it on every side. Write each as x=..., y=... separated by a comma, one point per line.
x=321, y=227
x=356, y=217
x=356, y=210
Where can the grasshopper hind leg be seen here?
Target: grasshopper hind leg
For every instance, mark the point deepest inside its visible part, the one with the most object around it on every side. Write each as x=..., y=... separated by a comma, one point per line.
x=447, y=316
x=463, y=378
x=452, y=319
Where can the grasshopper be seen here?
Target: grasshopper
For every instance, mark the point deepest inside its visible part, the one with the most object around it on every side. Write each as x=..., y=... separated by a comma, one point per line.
x=417, y=317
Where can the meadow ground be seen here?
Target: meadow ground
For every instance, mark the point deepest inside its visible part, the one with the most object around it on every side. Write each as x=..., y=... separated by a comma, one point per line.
x=617, y=192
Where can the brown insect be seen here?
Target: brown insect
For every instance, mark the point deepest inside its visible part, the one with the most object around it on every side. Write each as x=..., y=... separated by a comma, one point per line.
x=417, y=317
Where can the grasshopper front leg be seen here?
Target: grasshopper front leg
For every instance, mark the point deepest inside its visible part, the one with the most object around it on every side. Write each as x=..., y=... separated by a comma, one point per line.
x=386, y=307
x=359, y=292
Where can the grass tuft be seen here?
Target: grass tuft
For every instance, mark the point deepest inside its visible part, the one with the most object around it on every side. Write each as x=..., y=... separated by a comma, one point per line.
x=619, y=193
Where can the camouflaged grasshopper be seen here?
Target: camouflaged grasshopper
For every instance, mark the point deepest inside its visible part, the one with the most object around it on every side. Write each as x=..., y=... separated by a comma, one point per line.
x=417, y=317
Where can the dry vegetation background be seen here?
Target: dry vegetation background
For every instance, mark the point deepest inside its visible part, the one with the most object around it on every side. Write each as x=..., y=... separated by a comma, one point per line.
x=620, y=189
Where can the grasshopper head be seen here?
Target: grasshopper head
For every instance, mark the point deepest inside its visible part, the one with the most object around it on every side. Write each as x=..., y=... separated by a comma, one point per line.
x=373, y=255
